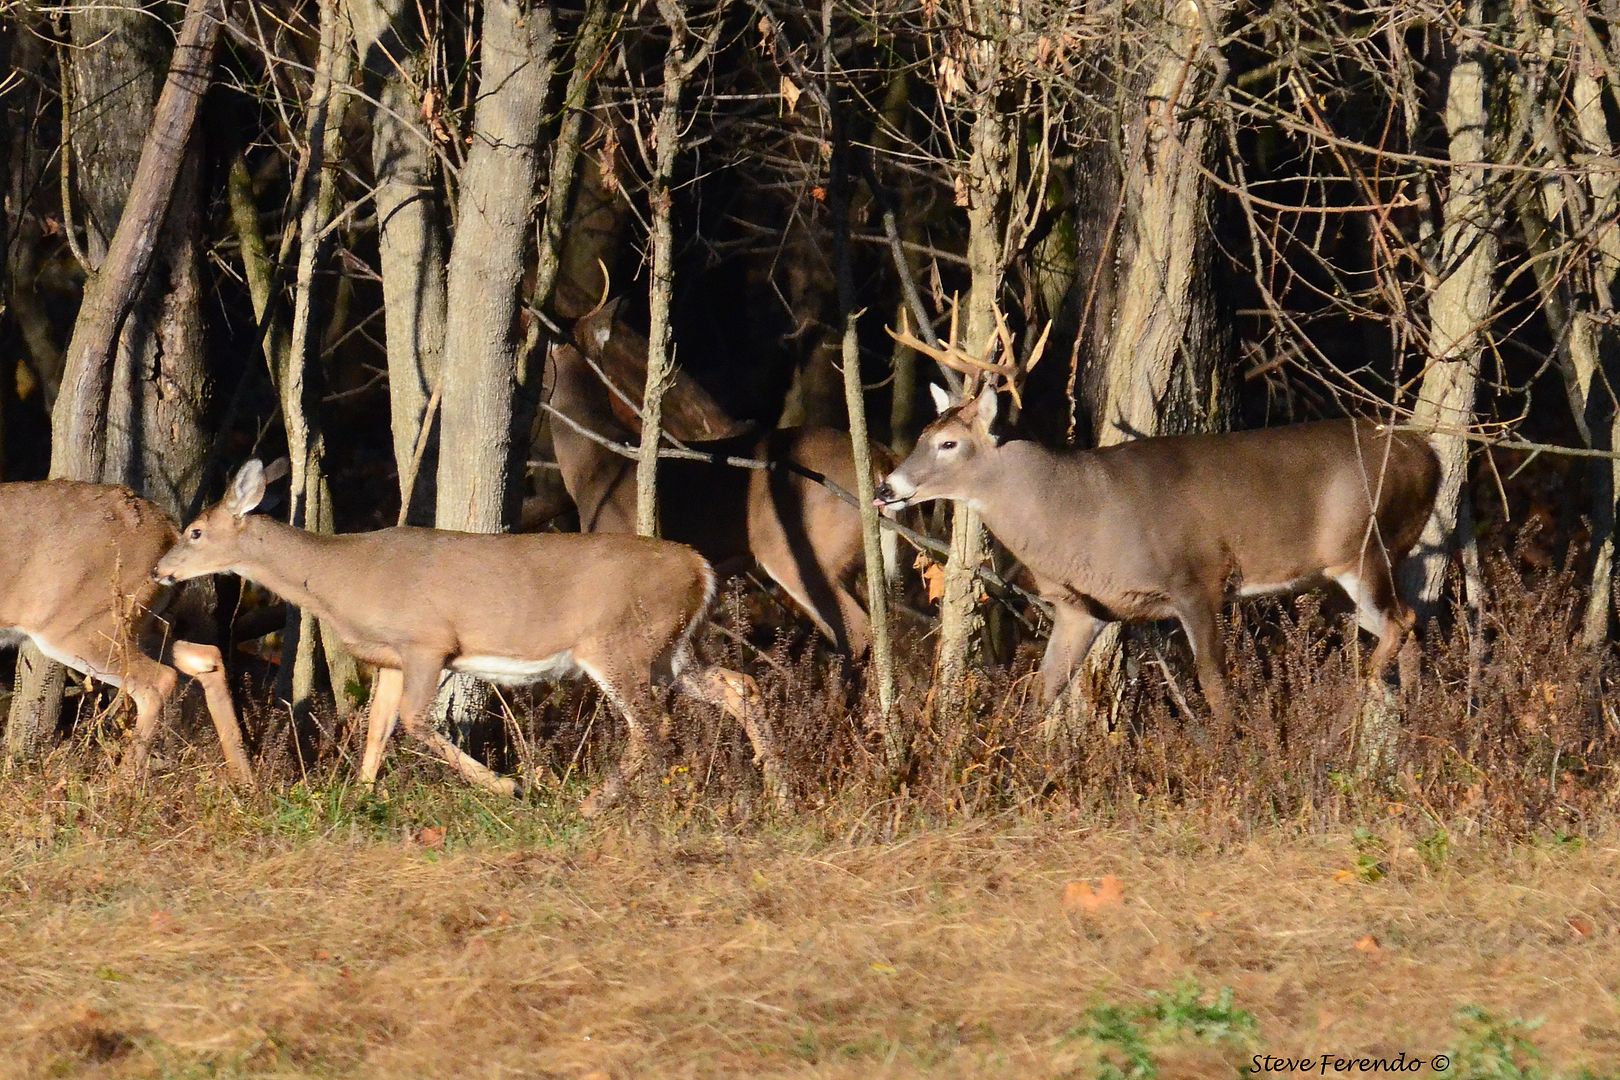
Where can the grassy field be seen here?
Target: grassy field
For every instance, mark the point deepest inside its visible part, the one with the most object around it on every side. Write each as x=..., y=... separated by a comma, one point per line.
x=318, y=932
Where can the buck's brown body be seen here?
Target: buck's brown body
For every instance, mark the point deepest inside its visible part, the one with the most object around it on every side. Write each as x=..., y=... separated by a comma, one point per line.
x=75, y=577
x=621, y=610
x=802, y=536
x=1172, y=527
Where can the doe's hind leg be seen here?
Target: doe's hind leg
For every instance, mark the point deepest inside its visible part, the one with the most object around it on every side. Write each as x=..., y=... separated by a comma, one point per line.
x=150, y=685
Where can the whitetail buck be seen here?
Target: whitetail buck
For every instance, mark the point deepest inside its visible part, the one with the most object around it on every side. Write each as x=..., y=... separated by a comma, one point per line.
x=509, y=609
x=76, y=578
x=802, y=536
x=1171, y=527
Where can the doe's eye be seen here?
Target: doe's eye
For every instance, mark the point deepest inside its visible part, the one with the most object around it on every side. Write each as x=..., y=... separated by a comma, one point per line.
x=948, y=444
x=196, y=534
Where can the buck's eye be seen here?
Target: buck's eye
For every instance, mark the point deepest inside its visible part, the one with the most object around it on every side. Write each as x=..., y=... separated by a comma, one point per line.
x=948, y=444
x=196, y=534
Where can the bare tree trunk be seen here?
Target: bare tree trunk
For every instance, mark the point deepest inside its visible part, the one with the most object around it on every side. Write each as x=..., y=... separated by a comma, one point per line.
x=310, y=505
x=1459, y=306
x=895, y=741
x=410, y=239
x=486, y=265
x=78, y=443
x=1160, y=371
x=990, y=173
x=666, y=137
x=486, y=269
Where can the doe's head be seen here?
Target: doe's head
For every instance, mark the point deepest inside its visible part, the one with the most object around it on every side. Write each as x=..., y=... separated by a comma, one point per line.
x=938, y=467
x=211, y=543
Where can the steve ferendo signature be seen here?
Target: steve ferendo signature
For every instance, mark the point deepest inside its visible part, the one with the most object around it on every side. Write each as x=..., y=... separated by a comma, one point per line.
x=1342, y=1064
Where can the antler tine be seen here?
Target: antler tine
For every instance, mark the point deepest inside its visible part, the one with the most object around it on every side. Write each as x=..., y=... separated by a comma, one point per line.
x=1010, y=375
x=607, y=286
x=1039, y=350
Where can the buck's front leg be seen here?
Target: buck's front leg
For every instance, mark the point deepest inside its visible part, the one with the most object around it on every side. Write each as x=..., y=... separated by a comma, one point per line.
x=1073, y=631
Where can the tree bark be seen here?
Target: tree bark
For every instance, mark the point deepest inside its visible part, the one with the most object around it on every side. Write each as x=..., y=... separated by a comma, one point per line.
x=1160, y=371
x=1459, y=307
x=78, y=436
x=666, y=136
x=78, y=444
x=410, y=239
x=486, y=265
x=486, y=268
x=895, y=741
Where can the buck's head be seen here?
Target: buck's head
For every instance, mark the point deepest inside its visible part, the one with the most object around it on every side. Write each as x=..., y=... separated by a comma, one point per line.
x=940, y=465
x=211, y=544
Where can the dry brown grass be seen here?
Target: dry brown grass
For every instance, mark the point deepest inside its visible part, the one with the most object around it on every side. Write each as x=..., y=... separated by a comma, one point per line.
x=322, y=934
x=883, y=927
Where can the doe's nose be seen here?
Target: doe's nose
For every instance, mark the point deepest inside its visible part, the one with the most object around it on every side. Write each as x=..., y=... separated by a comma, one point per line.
x=884, y=492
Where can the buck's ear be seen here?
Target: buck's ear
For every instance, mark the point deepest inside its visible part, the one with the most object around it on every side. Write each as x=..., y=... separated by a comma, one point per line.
x=985, y=406
x=277, y=470
x=941, y=396
x=601, y=331
x=247, y=489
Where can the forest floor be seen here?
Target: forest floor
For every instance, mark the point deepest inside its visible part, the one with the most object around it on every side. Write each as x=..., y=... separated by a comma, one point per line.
x=319, y=932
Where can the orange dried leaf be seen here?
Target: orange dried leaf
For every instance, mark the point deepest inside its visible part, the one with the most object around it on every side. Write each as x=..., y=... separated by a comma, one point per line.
x=1080, y=896
x=933, y=576
x=431, y=837
x=1580, y=926
x=1369, y=945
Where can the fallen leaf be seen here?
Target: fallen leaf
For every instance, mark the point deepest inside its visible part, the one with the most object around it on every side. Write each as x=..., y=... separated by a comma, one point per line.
x=164, y=923
x=431, y=837
x=1080, y=896
x=1369, y=945
x=881, y=968
x=1345, y=877
x=1580, y=926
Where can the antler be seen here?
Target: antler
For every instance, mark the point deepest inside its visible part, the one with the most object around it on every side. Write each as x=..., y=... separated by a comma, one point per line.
x=949, y=354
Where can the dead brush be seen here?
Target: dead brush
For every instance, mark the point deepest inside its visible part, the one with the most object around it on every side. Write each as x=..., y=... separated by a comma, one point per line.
x=1505, y=730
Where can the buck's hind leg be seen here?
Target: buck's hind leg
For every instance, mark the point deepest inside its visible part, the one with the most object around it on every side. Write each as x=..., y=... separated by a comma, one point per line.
x=1378, y=611
x=1199, y=619
x=205, y=664
x=739, y=696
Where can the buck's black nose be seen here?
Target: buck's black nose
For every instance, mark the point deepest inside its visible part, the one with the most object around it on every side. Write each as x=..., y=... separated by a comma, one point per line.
x=884, y=492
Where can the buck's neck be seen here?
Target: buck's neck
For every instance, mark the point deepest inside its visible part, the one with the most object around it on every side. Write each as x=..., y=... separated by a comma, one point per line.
x=290, y=562
x=1033, y=499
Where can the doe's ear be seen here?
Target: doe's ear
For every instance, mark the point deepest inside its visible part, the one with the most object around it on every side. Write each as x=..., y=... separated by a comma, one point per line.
x=247, y=489
x=941, y=396
x=985, y=407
